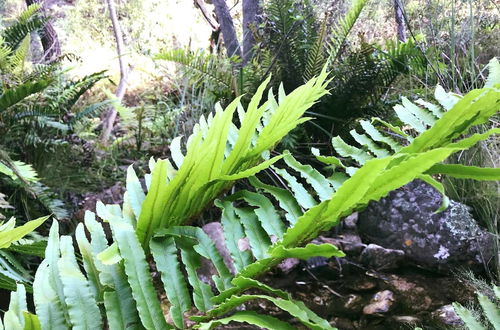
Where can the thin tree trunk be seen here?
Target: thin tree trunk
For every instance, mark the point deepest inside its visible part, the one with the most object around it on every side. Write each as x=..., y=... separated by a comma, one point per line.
x=50, y=42
x=208, y=17
x=400, y=22
x=227, y=28
x=110, y=117
x=215, y=35
x=250, y=14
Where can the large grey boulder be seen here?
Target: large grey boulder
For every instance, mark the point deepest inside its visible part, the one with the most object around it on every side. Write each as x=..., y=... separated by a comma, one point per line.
x=406, y=220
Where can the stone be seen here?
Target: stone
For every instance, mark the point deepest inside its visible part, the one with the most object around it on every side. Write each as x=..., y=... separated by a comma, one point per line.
x=351, y=221
x=351, y=243
x=343, y=323
x=413, y=295
x=406, y=220
x=381, y=303
x=416, y=293
x=350, y=304
x=379, y=258
x=361, y=284
x=446, y=315
x=216, y=233
x=288, y=265
x=405, y=320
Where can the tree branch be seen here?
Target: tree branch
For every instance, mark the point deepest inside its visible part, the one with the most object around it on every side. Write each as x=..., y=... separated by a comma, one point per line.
x=227, y=28
x=110, y=117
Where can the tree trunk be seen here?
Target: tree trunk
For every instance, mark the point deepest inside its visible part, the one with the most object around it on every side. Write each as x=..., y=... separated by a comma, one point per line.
x=215, y=35
x=250, y=15
x=400, y=22
x=50, y=42
x=227, y=28
x=110, y=117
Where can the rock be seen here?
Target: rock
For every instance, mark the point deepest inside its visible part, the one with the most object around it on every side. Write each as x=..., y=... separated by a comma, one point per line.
x=288, y=265
x=446, y=315
x=215, y=232
x=351, y=222
x=381, y=303
x=351, y=305
x=351, y=243
x=416, y=293
x=361, y=284
x=402, y=320
x=414, y=296
x=343, y=323
x=406, y=220
x=379, y=258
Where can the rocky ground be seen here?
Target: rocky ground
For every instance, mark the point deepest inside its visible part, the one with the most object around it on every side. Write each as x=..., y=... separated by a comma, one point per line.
x=400, y=266
x=400, y=269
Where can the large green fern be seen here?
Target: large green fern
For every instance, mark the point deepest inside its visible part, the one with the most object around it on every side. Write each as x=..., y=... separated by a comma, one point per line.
x=218, y=153
x=28, y=21
x=13, y=242
x=117, y=287
x=201, y=66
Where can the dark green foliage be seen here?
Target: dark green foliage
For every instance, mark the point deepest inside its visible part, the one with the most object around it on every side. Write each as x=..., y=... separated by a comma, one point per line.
x=205, y=70
x=261, y=226
x=293, y=43
x=35, y=116
x=362, y=78
x=29, y=21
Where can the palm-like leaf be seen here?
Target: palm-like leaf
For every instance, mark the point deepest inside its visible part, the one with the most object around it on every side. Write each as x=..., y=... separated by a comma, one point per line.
x=121, y=270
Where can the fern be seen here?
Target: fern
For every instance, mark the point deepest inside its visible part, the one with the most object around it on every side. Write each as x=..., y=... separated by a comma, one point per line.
x=202, y=68
x=491, y=312
x=14, y=240
x=232, y=153
x=23, y=177
x=28, y=21
x=292, y=34
x=64, y=97
x=117, y=276
x=362, y=79
x=18, y=93
x=316, y=55
x=342, y=29
x=32, y=105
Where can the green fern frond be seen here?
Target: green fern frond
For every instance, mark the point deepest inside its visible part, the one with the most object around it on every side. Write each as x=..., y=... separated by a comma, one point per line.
x=202, y=66
x=292, y=34
x=233, y=153
x=18, y=58
x=342, y=29
x=29, y=21
x=18, y=93
x=316, y=55
x=494, y=73
x=64, y=97
x=490, y=309
x=260, y=226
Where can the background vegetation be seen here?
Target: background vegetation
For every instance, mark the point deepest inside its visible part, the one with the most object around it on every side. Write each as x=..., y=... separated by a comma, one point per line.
x=162, y=67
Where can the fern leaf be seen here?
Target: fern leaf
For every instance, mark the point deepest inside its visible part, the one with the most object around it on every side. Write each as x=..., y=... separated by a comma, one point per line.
x=316, y=55
x=493, y=74
x=16, y=94
x=249, y=317
x=164, y=252
x=29, y=21
x=342, y=30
